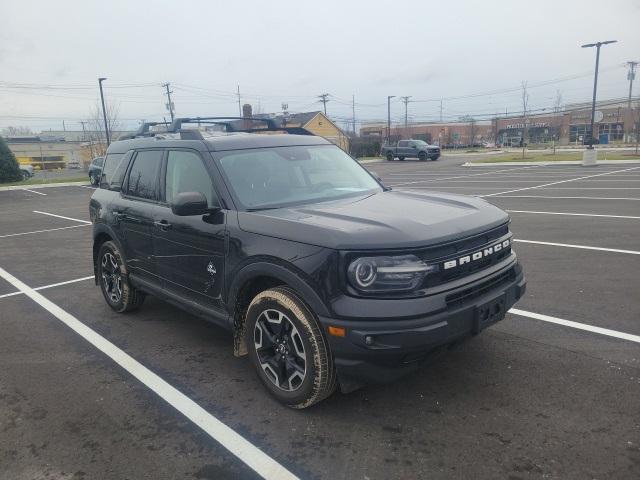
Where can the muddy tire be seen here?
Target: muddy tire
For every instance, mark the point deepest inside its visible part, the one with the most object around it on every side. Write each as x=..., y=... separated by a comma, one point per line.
x=114, y=281
x=288, y=349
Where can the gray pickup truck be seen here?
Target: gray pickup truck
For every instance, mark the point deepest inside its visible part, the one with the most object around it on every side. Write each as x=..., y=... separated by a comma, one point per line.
x=411, y=149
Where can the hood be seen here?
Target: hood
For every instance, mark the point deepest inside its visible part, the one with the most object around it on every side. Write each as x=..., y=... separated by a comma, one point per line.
x=393, y=219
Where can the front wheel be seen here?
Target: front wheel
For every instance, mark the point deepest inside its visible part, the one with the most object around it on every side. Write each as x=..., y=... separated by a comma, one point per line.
x=120, y=295
x=401, y=159
x=93, y=179
x=288, y=349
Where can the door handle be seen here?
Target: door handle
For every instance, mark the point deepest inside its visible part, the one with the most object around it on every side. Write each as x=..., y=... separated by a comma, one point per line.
x=162, y=225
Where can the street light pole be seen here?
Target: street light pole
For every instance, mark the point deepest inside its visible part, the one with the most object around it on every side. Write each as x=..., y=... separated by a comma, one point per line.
x=389, y=97
x=104, y=111
x=595, y=83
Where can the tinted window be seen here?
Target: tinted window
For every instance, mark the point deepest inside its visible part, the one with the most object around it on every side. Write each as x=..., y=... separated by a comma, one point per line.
x=98, y=161
x=187, y=173
x=113, y=171
x=144, y=174
x=402, y=143
x=273, y=177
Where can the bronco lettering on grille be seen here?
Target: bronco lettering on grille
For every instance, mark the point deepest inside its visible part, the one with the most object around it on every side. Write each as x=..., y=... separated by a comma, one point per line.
x=485, y=252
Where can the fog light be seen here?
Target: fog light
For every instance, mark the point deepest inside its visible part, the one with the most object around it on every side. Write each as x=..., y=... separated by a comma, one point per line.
x=368, y=340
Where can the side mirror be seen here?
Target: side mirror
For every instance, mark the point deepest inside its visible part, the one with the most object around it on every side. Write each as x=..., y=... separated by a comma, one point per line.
x=186, y=204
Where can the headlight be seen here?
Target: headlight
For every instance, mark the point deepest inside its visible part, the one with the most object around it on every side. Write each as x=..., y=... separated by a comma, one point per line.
x=388, y=274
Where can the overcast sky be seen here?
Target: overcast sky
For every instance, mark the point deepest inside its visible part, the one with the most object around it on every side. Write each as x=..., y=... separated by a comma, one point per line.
x=292, y=51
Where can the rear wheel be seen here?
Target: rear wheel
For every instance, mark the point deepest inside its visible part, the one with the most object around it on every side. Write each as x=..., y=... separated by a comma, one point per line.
x=288, y=349
x=114, y=283
x=389, y=157
x=422, y=156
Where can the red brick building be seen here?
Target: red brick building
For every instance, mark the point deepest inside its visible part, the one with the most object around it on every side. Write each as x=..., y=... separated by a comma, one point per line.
x=614, y=124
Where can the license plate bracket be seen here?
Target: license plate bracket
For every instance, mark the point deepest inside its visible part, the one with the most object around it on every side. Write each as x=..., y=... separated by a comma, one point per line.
x=489, y=313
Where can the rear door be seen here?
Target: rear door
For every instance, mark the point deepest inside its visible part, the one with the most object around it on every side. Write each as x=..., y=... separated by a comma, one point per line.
x=190, y=251
x=133, y=212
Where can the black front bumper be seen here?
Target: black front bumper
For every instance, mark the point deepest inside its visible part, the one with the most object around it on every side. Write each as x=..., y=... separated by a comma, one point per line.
x=384, y=349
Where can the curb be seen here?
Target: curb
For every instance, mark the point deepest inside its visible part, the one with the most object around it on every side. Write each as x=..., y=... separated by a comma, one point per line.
x=42, y=185
x=561, y=162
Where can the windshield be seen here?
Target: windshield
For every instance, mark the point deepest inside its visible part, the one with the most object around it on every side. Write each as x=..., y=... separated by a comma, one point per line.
x=284, y=176
x=420, y=143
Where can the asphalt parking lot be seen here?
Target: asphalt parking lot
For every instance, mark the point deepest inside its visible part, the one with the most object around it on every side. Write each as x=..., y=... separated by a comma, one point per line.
x=553, y=391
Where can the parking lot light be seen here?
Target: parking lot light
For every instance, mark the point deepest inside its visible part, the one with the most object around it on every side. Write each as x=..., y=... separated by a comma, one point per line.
x=590, y=156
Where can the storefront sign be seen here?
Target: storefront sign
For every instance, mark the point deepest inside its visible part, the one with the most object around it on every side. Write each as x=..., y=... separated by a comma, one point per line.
x=530, y=125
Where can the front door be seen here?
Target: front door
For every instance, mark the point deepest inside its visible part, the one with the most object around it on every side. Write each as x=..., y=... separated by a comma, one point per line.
x=190, y=251
x=133, y=212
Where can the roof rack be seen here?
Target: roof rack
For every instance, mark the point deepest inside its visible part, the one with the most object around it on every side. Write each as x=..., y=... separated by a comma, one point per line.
x=144, y=130
x=231, y=124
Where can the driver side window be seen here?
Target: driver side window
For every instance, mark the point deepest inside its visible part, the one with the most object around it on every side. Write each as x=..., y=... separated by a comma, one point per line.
x=186, y=173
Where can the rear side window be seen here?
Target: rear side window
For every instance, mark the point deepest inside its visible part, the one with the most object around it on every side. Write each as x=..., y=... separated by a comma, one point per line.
x=143, y=175
x=115, y=166
x=98, y=161
x=187, y=173
x=402, y=143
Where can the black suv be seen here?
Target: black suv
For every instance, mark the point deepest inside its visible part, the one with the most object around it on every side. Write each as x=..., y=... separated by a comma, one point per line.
x=324, y=276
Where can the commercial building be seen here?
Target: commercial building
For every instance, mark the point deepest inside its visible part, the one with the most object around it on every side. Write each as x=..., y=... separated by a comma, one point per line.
x=614, y=124
x=57, y=149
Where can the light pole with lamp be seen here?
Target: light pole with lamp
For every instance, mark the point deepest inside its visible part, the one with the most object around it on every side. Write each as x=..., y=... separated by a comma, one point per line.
x=590, y=156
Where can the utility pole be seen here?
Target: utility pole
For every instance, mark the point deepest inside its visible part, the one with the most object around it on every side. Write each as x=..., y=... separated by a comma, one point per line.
x=169, y=102
x=405, y=100
x=104, y=112
x=324, y=99
x=631, y=77
x=440, y=110
x=353, y=113
x=239, y=106
x=389, y=97
x=595, y=83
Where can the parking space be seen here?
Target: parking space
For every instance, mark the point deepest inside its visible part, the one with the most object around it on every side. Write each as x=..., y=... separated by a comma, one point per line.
x=526, y=399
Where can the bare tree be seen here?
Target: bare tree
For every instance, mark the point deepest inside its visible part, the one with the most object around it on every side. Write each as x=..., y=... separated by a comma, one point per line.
x=525, y=104
x=472, y=128
x=556, y=125
x=13, y=131
x=95, y=123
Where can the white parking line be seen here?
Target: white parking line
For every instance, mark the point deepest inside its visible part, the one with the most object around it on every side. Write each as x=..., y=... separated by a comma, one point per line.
x=49, y=286
x=574, y=214
x=60, y=216
x=561, y=181
x=87, y=186
x=567, y=198
x=33, y=191
x=43, y=231
x=251, y=455
x=579, y=326
x=584, y=247
x=472, y=175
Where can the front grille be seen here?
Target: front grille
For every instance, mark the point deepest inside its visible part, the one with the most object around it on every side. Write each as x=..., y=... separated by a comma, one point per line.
x=439, y=255
x=481, y=288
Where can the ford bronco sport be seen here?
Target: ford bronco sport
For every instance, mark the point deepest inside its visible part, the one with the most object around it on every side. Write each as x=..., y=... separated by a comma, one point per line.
x=325, y=277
